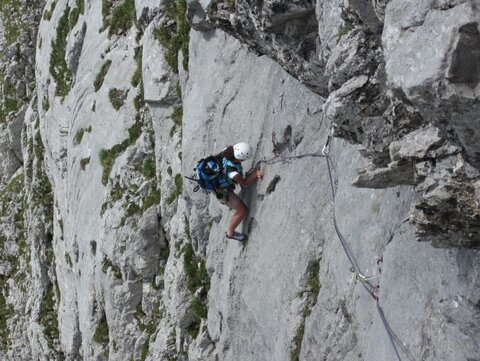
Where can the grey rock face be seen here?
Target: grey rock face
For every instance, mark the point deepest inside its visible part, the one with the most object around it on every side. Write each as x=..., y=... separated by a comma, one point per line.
x=75, y=50
x=10, y=148
x=450, y=196
x=369, y=110
x=443, y=85
x=19, y=30
x=197, y=16
x=108, y=254
x=341, y=323
x=282, y=30
x=281, y=103
x=160, y=82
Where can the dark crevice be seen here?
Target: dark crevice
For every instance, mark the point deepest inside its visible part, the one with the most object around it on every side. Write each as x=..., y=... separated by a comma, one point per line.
x=273, y=184
x=465, y=61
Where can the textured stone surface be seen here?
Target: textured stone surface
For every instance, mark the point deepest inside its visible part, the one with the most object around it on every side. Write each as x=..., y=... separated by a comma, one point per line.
x=282, y=30
x=160, y=81
x=10, y=148
x=280, y=103
x=116, y=258
x=444, y=83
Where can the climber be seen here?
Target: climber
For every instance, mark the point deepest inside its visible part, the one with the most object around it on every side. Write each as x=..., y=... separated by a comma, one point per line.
x=232, y=157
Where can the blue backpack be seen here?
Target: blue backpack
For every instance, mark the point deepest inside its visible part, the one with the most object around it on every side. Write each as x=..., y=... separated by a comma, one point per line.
x=210, y=175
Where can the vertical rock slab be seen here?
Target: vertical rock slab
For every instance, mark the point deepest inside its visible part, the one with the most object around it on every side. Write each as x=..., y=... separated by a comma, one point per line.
x=244, y=98
x=432, y=52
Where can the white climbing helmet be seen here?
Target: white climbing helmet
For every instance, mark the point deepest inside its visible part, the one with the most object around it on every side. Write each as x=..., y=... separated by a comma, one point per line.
x=242, y=151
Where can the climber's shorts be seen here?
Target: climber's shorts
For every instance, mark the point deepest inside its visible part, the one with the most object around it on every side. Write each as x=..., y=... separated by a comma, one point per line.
x=230, y=199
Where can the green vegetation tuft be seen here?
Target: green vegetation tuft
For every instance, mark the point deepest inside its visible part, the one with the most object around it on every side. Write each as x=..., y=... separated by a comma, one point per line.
x=149, y=168
x=101, y=334
x=120, y=18
x=97, y=84
x=58, y=65
x=139, y=100
x=117, y=192
x=134, y=133
x=197, y=275
x=137, y=76
x=150, y=326
x=84, y=162
x=152, y=198
x=108, y=264
x=297, y=343
x=165, y=253
x=105, y=14
x=145, y=350
x=124, y=16
x=177, y=116
x=108, y=156
x=313, y=283
x=11, y=103
x=313, y=289
x=107, y=160
x=46, y=103
x=13, y=23
x=76, y=12
x=344, y=31
x=42, y=195
x=47, y=15
x=173, y=33
x=117, y=97
x=179, y=183
x=6, y=312
x=132, y=209
x=48, y=317
x=79, y=135
x=198, y=308
x=231, y=5
x=197, y=278
x=81, y=6
x=178, y=91
x=14, y=186
x=68, y=260
x=178, y=189
x=194, y=328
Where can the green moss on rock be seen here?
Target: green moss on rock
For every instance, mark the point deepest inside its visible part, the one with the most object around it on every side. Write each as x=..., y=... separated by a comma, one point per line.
x=119, y=18
x=6, y=312
x=102, y=331
x=108, y=156
x=108, y=264
x=117, y=97
x=47, y=15
x=48, y=317
x=137, y=76
x=173, y=33
x=100, y=78
x=58, y=65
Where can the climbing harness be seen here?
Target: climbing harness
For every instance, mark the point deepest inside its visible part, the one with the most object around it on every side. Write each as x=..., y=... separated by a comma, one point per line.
x=358, y=275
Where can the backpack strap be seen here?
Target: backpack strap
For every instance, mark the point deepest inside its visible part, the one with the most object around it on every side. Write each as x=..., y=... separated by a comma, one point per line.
x=230, y=166
x=199, y=182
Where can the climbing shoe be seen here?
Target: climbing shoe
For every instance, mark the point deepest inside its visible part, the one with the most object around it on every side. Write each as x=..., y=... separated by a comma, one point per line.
x=237, y=236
